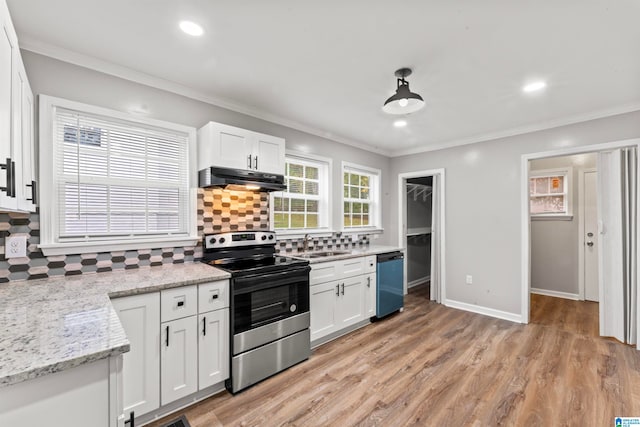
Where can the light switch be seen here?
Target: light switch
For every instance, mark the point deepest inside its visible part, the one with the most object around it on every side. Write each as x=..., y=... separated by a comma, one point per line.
x=15, y=246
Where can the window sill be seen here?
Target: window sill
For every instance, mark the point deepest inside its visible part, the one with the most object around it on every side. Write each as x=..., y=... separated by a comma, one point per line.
x=299, y=234
x=551, y=217
x=73, y=248
x=362, y=230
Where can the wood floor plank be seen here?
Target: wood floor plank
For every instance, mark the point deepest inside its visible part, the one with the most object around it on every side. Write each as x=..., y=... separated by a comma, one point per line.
x=432, y=365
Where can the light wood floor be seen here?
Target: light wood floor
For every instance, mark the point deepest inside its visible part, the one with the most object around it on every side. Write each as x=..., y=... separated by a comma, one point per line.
x=581, y=317
x=436, y=366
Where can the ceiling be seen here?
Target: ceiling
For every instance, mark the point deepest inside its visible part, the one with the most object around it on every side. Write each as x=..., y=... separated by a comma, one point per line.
x=327, y=67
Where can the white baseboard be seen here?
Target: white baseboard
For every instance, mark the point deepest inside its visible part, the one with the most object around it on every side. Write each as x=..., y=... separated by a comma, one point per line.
x=413, y=283
x=557, y=294
x=512, y=317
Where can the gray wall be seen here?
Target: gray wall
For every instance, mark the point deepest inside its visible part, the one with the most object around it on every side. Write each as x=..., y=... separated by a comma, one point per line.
x=56, y=78
x=554, y=243
x=483, y=235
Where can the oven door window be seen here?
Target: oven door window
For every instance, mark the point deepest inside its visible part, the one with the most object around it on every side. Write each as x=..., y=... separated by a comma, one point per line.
x=262, y=304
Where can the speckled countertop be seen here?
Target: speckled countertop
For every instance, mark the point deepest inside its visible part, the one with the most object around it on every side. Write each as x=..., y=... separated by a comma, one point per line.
x=50, y=325
x=353, y=253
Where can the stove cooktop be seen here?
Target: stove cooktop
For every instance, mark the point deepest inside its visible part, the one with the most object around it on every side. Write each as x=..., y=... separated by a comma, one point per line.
x=243, y=267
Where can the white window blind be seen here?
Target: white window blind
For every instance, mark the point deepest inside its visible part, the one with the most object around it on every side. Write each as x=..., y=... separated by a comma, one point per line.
x=116, y=178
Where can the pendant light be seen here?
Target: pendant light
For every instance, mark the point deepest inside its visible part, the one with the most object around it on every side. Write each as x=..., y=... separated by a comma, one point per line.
x=403, y=101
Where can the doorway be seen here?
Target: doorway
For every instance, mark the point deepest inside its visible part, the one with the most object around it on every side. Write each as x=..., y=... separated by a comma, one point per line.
x=616, y=236
x=421, y=231
x=563, y=246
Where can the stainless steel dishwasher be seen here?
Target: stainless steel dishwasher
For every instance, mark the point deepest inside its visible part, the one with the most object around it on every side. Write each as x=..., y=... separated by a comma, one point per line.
x=390, y=289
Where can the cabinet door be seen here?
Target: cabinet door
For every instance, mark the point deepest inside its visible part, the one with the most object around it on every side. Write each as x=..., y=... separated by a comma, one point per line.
x=351, y=303
x=369, y=293
x=178, y=359
x=8, y=54
x=268, y=154
x=24, y=141
x=140, y=317
x=224, y=146
x=323, y=302
x=213, y=348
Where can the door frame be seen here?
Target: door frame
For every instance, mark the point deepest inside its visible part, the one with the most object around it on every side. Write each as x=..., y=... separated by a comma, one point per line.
x=402, y=220
x=581, y=265
x=525, y=232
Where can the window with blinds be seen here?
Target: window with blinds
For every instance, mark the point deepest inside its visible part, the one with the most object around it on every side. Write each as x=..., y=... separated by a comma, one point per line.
x=115, y=178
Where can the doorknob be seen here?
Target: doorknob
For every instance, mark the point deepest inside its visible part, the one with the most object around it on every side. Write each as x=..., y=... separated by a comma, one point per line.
x=589, y=243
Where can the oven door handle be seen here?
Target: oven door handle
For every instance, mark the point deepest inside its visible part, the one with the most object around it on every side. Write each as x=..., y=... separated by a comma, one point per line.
x=244, y=285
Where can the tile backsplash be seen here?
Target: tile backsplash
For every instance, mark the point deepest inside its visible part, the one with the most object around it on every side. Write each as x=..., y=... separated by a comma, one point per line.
x=217, y=211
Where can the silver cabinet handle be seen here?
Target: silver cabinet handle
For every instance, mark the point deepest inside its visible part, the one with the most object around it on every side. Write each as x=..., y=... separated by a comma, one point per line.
x=368, y=282
x=249, y=164
x=256, y=161
x=167, y=341
x=338, y=289
x=589, y=244
x=343, y=289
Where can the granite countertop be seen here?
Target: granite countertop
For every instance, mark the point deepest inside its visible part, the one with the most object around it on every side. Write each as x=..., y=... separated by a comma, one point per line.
x=353, y=253
x=50, y=325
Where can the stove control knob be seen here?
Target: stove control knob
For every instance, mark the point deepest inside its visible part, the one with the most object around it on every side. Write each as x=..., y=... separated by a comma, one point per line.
x=264, y=237
x=270, y=236
x=212, y=240
x=221, y=240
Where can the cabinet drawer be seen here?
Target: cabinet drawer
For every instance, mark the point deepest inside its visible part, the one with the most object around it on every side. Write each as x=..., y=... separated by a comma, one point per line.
x=179, y=302
x=370, y=264
x=324, y=272
x=353, y=267
x=213, y=296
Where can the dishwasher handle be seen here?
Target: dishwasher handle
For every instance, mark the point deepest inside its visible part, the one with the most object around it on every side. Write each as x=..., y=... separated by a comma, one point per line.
x=389, y=256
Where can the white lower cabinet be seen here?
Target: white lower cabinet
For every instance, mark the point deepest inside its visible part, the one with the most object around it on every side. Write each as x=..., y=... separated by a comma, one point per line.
x=213, y=347
x=179, y=359
x=342, y=294
x=140, y=317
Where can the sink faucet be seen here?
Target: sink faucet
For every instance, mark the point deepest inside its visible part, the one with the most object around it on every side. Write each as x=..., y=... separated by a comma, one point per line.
x=305, y=243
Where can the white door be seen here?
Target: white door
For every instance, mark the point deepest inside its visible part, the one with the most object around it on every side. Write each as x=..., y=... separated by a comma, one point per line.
x=8, y=51
x=323, y=302
x=213, y=348
x=140, y=318
x=590, y=237
x=370, y=295
x=435, y=240
x=179, y=359
x=610, y=256
x=351, y=303
x=268, y=154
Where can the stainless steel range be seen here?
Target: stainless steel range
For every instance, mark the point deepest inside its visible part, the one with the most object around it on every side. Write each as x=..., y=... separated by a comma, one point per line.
x=269, y=305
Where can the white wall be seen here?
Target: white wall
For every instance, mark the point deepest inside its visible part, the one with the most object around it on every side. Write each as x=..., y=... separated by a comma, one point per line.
x=554, y=243
x=56, y=78
x=483, y=205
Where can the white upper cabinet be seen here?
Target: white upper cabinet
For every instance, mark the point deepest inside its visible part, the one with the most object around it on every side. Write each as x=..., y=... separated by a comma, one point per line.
x=231, y=147
x=17, y=172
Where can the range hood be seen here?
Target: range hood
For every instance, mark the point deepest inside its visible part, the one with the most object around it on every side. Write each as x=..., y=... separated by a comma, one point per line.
x=238, y=179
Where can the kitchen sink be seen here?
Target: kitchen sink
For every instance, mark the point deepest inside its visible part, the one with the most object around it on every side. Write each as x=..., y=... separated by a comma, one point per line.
x=323, y=254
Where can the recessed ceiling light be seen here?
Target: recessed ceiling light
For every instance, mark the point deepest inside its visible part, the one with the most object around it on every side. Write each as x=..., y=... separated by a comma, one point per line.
x=191, y=28
x=534, y=86
x=400, y=123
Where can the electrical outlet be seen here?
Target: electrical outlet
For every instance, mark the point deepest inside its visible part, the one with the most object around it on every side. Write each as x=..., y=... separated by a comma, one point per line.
x=15, y=246
x=469, y=279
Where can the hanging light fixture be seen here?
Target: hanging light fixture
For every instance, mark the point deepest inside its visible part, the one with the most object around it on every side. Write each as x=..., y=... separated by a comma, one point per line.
x=403, y=101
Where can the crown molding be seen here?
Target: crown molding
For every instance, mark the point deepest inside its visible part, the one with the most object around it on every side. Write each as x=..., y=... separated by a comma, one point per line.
x=544, y=125
x=34, y=45
x=42, y=48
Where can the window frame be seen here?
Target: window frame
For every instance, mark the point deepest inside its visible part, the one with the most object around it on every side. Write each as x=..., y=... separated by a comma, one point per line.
x=50, y=211
x=567, y=174
x=375, y=214
x=325, y=198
